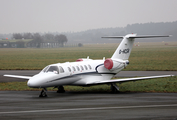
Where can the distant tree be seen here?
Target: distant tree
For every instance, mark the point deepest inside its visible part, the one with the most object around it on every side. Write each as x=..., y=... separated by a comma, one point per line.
x=80, y=45
x=17, y=36
x=49, y=36
x=37, y=39
x=27, y=36
x=61, y=39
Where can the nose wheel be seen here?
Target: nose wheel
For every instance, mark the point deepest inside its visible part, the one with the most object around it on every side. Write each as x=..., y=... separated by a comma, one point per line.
x=43, y=93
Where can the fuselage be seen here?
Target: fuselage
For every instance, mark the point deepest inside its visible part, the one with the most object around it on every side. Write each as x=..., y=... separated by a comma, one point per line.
x=73, y=73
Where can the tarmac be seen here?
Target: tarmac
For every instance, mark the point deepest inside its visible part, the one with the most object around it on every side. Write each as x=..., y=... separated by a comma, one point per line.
x=27, y=105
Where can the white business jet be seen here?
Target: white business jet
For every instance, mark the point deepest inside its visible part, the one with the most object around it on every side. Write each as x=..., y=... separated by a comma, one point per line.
x=87, y=72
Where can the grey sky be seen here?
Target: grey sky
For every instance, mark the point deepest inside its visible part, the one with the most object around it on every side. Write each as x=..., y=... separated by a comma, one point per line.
x=79, y=15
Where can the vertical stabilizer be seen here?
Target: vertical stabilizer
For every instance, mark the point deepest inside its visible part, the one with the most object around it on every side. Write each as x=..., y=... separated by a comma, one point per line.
x=124, y=49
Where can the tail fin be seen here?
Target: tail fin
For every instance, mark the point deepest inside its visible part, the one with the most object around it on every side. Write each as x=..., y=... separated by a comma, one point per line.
x=124, y=49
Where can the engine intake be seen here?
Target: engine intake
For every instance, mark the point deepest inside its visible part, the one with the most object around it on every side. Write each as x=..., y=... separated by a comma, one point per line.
x=108, y=63
x=112, y=64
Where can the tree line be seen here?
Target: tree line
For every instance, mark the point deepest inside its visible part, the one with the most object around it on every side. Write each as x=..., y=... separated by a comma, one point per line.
x=94, y=35
x=38, y=38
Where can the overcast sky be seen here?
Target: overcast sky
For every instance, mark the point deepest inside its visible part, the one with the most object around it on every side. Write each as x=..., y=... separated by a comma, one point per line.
x=17, y=16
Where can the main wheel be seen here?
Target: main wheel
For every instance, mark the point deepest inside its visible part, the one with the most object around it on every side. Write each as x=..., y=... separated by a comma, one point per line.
x=60, y=89
x=43, y=94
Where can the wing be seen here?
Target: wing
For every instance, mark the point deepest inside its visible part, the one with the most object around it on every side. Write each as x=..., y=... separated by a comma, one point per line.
x=128, y=79
x=17, y=76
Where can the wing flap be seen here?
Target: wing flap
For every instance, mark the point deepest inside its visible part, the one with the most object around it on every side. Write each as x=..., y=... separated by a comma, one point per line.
x=129, y=79
x=17, y=76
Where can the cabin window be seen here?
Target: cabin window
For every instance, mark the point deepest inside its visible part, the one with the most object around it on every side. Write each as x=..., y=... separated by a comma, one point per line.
x=82, y=67
x=53, y=69
x=69, y=69
x=61, y=69
x=74, y=68
x=85, y=67
x=77, y=68
x=90, y=67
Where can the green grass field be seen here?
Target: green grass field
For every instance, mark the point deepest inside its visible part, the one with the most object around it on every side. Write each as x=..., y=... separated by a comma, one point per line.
x=16, y=40
x=148, y=56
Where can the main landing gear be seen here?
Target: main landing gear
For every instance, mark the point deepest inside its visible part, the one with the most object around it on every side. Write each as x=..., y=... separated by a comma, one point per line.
x=43, y=93
x=114, y=88
x=60, y=89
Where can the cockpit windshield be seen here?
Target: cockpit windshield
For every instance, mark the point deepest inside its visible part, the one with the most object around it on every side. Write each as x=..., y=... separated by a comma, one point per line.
x=44, y=70
x=53, y=69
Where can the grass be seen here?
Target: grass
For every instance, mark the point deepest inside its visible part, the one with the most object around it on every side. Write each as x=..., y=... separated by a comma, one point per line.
x=153, y=85
x=16, y=40
x=148, y=56
x=154, y=57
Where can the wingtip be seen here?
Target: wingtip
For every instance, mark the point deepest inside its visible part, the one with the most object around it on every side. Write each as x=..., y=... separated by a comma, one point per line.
x=17, y=76
x=172, y=75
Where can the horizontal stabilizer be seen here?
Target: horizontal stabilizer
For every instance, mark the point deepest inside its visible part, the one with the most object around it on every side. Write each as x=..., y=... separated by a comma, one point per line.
x=129, y=79
x=113, y=37
x=137, y=36
x=17, y=76
x=148, y=36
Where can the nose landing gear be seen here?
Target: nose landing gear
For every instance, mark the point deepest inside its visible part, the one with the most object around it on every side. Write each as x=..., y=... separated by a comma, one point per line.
x=43, y=93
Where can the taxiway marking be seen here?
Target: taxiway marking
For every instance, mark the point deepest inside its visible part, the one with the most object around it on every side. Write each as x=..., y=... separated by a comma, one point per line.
x=97, y=108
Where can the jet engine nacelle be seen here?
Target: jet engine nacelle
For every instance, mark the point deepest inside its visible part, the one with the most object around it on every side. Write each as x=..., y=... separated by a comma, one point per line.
x=113, y=64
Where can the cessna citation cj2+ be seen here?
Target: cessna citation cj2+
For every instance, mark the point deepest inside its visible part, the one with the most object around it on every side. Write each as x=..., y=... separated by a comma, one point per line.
x=87, y=72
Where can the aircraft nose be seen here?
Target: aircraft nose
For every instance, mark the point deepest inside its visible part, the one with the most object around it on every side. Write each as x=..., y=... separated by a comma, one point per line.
x=28, y=83
x=36, y=81
x=39, y=80
x=32, y=83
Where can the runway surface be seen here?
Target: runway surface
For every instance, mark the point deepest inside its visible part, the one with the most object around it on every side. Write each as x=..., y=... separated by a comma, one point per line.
x=121, y=74
x=78, y=106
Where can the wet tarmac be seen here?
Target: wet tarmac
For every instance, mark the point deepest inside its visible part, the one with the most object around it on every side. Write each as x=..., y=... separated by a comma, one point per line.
x=78, y=106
